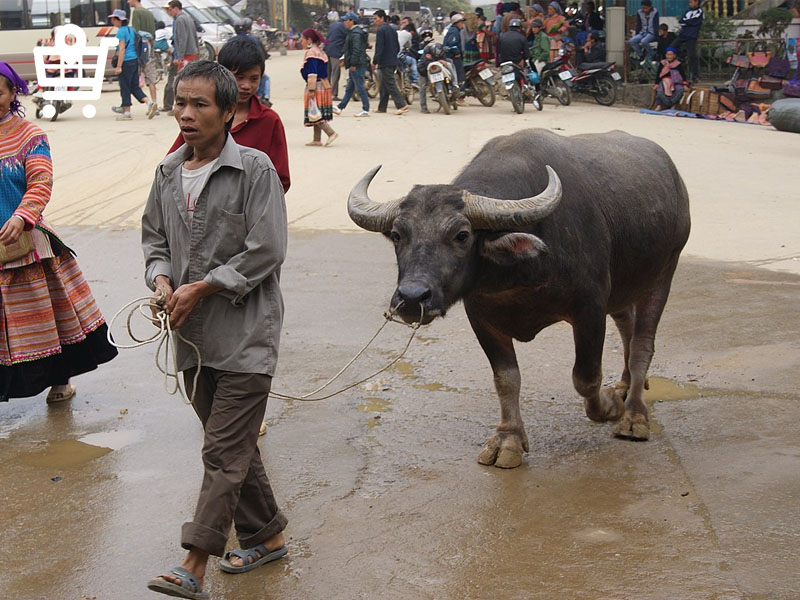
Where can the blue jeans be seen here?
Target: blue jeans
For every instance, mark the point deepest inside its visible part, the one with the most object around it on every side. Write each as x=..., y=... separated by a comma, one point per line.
x=264, y=87
x=355, y=81
x=641, y=44
x=129, y=83
x=412, y=65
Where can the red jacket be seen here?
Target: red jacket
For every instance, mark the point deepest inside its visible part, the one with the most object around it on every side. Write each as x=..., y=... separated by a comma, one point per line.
x=262, y=130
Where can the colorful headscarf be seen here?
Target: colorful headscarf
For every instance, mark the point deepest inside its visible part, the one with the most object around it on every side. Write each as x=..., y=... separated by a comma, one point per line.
x=18, y=85
x=671, y=49
x=538, y=8
x=557, y=6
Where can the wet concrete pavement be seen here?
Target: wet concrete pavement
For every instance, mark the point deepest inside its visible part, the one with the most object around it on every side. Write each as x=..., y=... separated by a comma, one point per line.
x=381, y=485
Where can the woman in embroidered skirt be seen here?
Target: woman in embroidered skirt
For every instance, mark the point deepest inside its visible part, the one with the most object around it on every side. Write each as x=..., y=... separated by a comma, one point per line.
x=315, y=72
x=50, y=326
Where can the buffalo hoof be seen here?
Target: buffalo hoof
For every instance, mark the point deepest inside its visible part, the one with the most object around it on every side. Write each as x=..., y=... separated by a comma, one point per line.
x=633, y=426
x=504, y=450
x=610, y=405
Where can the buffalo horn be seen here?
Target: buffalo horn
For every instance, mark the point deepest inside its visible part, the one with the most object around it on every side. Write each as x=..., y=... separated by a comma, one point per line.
x=494, y=214
x=372, y=216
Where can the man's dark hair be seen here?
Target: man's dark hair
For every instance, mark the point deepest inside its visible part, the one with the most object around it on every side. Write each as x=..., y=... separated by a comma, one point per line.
x=241, y=54
x=647, y=2
x=410, y=27
x=664, y=27
x=515, y=6
x=380, y=13
x=590, y=5
x=455, y=12
x=394, y=19
x=175, y=4
x=226, y=92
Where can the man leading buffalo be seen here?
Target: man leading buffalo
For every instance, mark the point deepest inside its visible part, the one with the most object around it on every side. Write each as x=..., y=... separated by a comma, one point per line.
x=214, y=237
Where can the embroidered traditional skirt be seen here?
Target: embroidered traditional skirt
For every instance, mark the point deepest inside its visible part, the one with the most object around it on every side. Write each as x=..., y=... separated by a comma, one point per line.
x=51, y=328
x=324, y=98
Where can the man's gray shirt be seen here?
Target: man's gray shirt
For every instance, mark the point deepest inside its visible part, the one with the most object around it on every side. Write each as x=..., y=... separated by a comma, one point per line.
x=184, y=36
x=236, y=240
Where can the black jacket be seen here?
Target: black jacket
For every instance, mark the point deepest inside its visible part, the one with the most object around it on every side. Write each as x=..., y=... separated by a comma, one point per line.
x=513, y=46
x=386, y=47
x=355, y=47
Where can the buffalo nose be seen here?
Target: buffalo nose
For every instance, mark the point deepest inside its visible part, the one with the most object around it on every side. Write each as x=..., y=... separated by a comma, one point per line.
x=414, y=293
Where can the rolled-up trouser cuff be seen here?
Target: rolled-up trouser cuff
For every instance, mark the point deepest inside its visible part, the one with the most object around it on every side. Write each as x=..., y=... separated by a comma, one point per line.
x=274, y=527
x=199, y=537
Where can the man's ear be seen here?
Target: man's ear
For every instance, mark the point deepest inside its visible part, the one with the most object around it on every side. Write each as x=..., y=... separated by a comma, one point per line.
x=512, y=247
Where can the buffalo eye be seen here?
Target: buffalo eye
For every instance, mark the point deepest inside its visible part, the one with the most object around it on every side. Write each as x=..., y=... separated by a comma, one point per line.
x=462, y=236
x=395, y=236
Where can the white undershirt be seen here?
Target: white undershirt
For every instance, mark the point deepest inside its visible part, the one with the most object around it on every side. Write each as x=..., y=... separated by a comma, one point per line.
x=193, y=182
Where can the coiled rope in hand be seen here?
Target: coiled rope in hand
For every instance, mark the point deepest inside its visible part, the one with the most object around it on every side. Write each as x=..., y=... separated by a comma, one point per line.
x=152, y=309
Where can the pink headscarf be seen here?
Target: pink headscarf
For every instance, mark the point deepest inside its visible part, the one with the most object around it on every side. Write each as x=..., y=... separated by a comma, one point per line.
x=314, y=36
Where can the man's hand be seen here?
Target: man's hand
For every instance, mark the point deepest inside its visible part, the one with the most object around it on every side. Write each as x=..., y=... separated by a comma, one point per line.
x=183, y=301
x=11, y=230
x=162, y=295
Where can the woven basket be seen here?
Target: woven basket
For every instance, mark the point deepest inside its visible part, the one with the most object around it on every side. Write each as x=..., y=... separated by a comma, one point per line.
x=18, y=249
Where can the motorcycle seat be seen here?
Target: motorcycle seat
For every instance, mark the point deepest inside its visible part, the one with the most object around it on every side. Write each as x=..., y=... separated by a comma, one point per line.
x=550, y=65
x=594, y=65
x=468, y=66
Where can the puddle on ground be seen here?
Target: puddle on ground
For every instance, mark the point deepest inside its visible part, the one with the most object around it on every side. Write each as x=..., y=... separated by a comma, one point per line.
x=435, y=387
x=374, y=404
x=597, y=536
x=112, y=439
x=63, y=455
x=662, y=389
x=403, y=368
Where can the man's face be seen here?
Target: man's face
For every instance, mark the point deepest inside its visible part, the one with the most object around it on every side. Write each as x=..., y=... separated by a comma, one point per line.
x=662, y=32
x=647, y=8
x=694, y=3
x=247, y=83
x=378, y=20
x=116, y=22
x=172, y=11
x=196, y=111
x=348, y=23
x=460, y=24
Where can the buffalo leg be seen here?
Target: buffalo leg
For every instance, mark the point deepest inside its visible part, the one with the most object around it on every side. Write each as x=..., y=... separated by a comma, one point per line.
x=504, y=449
x=634, y=424
x=588, y=331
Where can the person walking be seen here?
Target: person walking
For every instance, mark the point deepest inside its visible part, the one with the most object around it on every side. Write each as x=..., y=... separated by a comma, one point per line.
x=143, y=20
x=317, y=99
x=334, y=46
x=356, y=61
x=214, y=259
x=385, y=59
x=127, y=69
x=255, y=125
x=50, y=326
x=184, y=48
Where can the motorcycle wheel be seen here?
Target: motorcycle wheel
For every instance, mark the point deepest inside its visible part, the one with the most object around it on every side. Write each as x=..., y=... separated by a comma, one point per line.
x=441, y=98
x=371, y=84
x=516, y=99
x=537, y=102
x=405, y=87
x=38, y=113
x=559, y=90
x=483, y=92
x=606, y=93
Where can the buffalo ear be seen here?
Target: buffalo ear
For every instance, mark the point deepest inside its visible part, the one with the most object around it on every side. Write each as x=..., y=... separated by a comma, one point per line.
x=512, y=247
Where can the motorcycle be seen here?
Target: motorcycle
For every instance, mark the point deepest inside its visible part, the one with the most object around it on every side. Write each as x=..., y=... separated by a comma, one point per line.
x=479, y=82
x=370, y=84
x=402, y=77
x=521, y=86
x=556, y=75
x=599, y=80
x=442, y=81
x=58, y=106
x=274, y=38
x=162, y=59
x=439, y=23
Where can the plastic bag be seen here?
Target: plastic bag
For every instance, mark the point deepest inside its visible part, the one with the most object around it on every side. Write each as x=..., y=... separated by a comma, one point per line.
x=314, y=113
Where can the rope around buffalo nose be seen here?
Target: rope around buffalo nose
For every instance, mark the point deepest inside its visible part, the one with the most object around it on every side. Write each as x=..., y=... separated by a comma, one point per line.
x=152, y=309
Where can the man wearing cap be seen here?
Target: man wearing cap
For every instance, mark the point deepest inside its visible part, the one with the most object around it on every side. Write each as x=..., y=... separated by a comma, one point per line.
x=385, y=59
x=337, y=33
x=184, y=47
x=127, y=69
x=453, y=46
x=540, y=50
x=356, y=61
x=513, y=44
x=646, y=29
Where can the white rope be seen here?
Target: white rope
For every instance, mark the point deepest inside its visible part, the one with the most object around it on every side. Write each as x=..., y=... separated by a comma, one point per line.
x=152, y=309
x=164, y=337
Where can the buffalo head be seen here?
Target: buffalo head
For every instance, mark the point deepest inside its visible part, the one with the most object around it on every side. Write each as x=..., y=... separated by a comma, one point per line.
x=440, y=232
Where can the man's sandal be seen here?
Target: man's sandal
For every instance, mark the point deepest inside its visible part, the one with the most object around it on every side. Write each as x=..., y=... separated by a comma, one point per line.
x=252, y=558
x=189, y=587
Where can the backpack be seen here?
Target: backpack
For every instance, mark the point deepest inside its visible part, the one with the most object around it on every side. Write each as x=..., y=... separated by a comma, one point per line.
x=142, y=48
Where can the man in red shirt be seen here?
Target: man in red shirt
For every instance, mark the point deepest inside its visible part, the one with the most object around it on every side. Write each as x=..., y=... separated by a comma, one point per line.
x=254, y=125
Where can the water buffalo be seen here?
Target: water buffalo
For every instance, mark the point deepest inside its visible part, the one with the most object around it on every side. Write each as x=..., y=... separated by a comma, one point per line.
x=525, y=245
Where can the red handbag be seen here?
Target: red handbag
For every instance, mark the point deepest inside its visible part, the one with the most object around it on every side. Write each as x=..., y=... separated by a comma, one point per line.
x=759, y=59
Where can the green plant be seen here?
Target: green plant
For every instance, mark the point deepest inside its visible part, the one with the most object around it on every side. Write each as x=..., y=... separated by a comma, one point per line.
x=717, y=27
x=774, y=22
